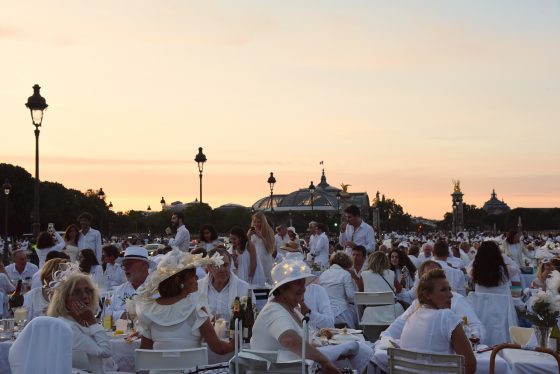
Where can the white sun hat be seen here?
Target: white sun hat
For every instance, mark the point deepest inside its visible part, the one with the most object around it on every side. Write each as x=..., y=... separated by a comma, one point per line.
x=136, y=253
x=288, y=271
x=172, y=263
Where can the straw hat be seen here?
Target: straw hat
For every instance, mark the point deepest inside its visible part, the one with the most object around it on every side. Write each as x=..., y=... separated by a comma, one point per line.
x=288, y=271
x=290, y=246
x=172, y=263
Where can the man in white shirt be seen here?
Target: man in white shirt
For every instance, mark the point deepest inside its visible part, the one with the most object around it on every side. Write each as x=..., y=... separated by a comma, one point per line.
x=427, y=249
x=182, y=238
x=21, y=269
x=89, y=237
x=455, y=277
x=359, y=264
x=357, y=231
x=220, y=286
x=320, y=250
x=281, y=238
x=312, y=228
x=317, y=307
x=136, y=265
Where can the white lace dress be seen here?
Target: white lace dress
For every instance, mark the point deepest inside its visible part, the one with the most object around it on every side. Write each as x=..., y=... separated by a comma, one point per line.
x=264, y=257
x=243, y=263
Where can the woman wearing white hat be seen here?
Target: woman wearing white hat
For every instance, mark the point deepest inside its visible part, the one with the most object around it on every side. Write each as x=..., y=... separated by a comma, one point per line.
x=279, y=325
x=177, y=318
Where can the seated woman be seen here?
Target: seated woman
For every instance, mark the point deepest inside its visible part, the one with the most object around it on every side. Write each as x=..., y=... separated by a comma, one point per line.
x=403, y=268
x=338, y=282
x=114, y=274
x=279, y=325
x=459, y=305
x=89, y=265
x=75, y=300
x=177, y=318
x=543, y=271
x=433, y=327
x=37, y=300
x=378, y=278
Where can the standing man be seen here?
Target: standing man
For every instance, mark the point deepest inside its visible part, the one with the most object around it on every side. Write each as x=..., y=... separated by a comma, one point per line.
x=182, y=236
x=89, y=237
x=357, y=231
x=320, y=249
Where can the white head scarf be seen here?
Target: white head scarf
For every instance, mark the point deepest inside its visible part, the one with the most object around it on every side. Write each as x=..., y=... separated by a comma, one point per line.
x=43, y=347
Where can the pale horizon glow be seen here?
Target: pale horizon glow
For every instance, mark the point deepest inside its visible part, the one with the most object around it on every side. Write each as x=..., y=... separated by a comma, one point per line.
x=400, y=99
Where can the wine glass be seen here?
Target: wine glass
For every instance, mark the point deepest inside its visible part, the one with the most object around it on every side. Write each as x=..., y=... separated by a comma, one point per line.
x=474, y=338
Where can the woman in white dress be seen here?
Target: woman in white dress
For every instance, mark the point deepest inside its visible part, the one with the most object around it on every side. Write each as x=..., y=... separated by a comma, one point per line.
x=46, y=244
x=338, y=282
x=279, y=325
x=71, y=236
x=433, y=327
x=245, y=258
x=514, y=248
x=176, y=319
x=37, y=300
x=75, y=301
x=490, y=272
x=262, y=236
x=88, y=264
x=378, y=278
x=113, y=273
x=208, y=237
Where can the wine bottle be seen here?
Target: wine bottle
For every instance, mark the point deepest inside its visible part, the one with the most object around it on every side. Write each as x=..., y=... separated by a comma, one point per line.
x=235, y=316
x=555, y=338
x=16, y=298
x=248, y=318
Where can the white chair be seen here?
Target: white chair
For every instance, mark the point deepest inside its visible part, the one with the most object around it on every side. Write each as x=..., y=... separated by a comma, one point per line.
x=170, y=359
x=403, y=362
x=363, y=300
x=496, y=313
x=260, y=362
x=520, y=335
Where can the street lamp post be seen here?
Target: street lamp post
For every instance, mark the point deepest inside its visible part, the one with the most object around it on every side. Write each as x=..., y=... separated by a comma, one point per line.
x=162, y=202
x=312, y=193
x=110, y=224
x=7, y=187
x=101, y=196
x=338, y=205
x=200, y=159
x=271, y=181
x=36, y=105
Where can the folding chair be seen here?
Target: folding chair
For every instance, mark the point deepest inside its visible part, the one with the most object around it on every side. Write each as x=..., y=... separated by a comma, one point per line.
x=405, y=362
x=363, y=300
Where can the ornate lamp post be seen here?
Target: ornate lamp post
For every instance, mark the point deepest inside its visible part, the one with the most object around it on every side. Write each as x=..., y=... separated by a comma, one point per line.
x=312, y=193
x=7, y=187
x=271, y=181
x=200, y=159
x=36, y=105
x=162, y=202
x=110, y=206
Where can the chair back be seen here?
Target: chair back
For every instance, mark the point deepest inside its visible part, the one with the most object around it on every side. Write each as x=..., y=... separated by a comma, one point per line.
x=170, y=359
x=496, y=313
x=499, y=347
x=258, y=362
x=374, y=298
x=404, y=362
x=520, y=335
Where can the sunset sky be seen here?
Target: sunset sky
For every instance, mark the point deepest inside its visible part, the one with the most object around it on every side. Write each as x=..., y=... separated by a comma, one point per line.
x=400, y=97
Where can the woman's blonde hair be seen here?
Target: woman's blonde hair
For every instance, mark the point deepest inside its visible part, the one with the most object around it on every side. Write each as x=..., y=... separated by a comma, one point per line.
x=378, y=262
x=427, y=284
x=57, y=306
x=49, y=269
x=266, y=231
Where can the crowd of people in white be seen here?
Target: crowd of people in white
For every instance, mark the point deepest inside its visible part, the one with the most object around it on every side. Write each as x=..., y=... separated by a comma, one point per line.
x=441, y=283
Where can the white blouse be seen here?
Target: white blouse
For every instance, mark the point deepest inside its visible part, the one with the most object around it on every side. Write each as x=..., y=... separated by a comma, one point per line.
x=271, y=323
x=340, y=287
x=264, y=257
x=243, y=264
x=35, y=303
x=175, y=326
x=430, y=330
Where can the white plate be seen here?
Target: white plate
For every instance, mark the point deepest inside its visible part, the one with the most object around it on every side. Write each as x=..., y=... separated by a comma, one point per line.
x=345, y=338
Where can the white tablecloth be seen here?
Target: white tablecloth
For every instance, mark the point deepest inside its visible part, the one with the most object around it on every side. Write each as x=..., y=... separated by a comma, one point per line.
x=4, y=364
x=380, y=359
x=528, y=362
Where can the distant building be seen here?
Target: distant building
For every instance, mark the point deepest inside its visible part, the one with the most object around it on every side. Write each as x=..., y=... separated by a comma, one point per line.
x=231, y=206
x=495, y=206
x=324, y=200
x=177, y=206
